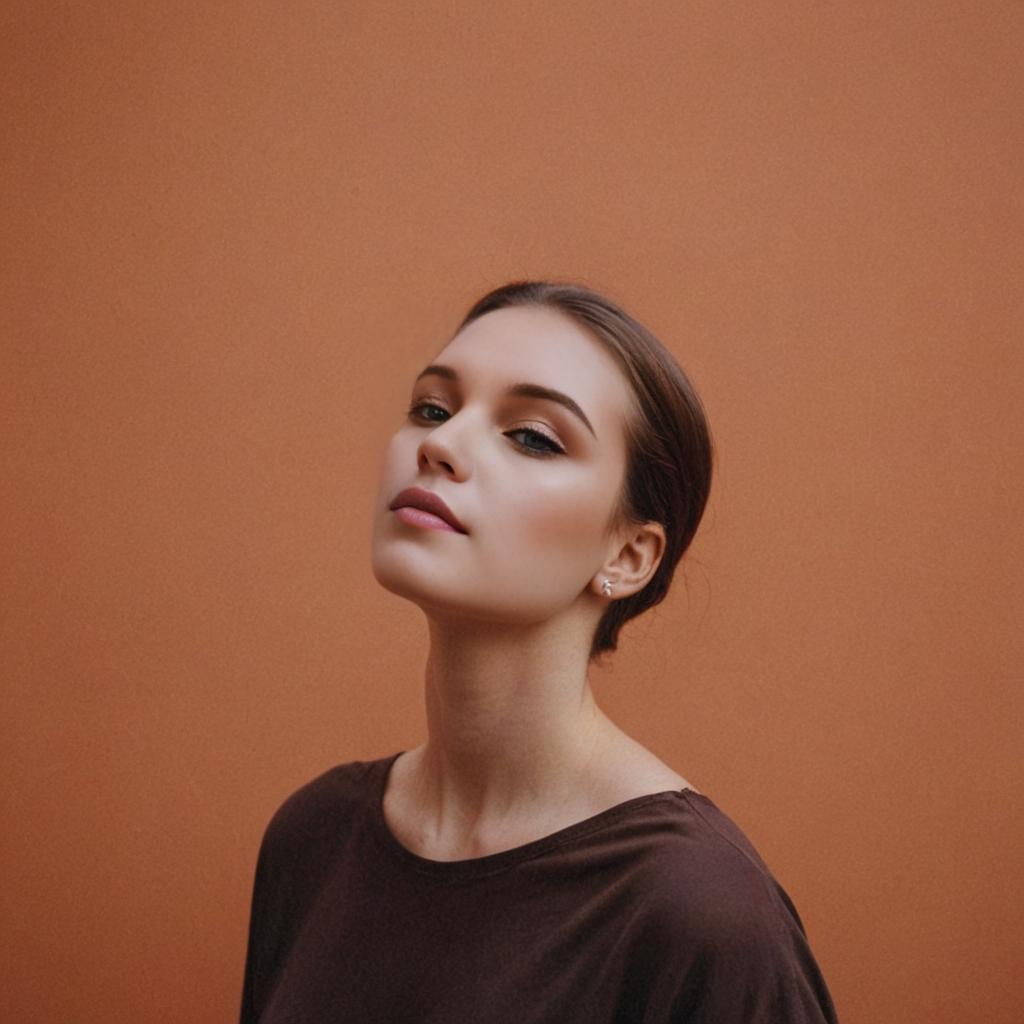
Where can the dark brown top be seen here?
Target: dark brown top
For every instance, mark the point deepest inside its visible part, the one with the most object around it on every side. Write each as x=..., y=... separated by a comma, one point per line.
x=656, y=910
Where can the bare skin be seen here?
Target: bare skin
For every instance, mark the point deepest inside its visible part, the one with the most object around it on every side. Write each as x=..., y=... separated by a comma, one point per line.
x=517, y=747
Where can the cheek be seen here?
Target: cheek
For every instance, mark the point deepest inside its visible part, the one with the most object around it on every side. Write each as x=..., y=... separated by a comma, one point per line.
x=553, y=525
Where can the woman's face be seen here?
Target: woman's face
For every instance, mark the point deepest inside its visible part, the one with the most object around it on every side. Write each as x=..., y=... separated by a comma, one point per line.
x=532, y=484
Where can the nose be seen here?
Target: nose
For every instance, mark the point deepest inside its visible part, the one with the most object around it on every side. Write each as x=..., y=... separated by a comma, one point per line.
x=442, y=446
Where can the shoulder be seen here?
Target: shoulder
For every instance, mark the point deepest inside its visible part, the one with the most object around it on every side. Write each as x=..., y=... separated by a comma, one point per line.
x=697, y=843
x=300, y=845
x=729, y=934
x=708, y=876
x=318, y=811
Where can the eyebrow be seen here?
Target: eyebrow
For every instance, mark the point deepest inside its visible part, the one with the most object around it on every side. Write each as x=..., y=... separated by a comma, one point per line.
x=524, y=389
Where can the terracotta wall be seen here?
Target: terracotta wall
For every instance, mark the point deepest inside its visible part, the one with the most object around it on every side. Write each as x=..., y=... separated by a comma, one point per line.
x=231, y=235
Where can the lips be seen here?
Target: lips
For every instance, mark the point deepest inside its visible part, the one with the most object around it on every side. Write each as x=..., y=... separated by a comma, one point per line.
x=417, y=497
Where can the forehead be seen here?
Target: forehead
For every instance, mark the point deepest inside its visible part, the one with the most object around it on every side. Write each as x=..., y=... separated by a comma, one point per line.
x=542, y=346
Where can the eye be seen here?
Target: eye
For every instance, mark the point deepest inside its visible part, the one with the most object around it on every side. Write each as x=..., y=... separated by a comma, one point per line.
x=414, y=410
x=548, y=447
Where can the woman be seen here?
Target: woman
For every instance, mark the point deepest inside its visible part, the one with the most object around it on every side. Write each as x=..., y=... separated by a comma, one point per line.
x=529, y=862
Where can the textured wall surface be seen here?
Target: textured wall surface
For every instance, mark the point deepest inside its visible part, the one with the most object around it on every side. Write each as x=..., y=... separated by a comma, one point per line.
x=232, y=235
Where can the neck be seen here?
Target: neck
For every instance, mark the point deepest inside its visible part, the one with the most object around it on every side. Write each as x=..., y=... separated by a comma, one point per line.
x=513, y=727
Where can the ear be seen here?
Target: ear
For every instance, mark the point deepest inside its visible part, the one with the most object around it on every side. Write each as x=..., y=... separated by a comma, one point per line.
x=637, y=554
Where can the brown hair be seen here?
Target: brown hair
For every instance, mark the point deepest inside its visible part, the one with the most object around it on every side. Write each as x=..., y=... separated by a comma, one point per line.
x=669, y=462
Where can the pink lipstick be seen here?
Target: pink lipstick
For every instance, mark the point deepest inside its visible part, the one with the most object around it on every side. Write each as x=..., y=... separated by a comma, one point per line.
x=419, y=507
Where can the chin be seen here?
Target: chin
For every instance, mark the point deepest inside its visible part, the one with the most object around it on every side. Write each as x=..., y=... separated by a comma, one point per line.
x=398, y=573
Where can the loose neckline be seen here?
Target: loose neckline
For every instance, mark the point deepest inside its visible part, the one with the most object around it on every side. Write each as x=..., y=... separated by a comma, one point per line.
x=474, y=867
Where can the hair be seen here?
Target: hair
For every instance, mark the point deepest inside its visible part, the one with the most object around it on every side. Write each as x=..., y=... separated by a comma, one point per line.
x=669, y=448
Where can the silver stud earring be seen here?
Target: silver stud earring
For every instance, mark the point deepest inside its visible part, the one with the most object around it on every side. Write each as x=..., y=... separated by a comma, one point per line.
x=606, y=588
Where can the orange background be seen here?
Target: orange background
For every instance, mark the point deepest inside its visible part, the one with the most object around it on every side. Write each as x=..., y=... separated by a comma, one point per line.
x=232, y=235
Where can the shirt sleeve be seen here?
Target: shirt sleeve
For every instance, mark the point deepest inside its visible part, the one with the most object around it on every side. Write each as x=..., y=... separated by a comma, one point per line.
x=755, y=967
x=258, y=952
x=295, y=854
x=289, y=870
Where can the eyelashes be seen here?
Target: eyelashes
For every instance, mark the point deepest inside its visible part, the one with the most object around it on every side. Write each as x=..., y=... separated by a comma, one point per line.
x=552, y=449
